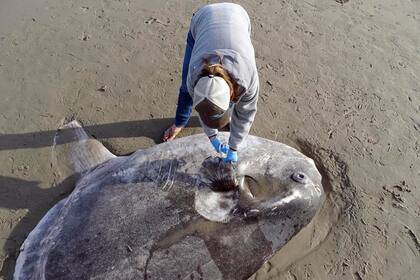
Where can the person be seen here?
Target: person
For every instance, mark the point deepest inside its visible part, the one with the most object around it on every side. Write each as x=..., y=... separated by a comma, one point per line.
x=219, y=77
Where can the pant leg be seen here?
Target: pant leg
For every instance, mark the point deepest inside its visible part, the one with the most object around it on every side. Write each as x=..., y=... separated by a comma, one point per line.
x=184, y=107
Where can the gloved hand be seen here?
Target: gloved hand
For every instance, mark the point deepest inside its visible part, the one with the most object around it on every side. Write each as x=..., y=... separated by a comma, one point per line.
x=218, y=146
x=232, y=156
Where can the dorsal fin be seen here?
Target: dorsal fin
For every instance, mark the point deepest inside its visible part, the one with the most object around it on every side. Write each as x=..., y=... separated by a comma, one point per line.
x=75, y=152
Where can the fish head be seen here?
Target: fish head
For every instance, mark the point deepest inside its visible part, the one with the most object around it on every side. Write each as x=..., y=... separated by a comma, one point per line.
x=270, y=179
x=275, y=183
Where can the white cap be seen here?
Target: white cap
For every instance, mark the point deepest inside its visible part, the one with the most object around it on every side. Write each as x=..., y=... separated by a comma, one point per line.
x=215, y=89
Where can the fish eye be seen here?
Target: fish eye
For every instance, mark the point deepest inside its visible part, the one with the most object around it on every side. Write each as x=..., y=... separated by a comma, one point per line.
x=299, y=177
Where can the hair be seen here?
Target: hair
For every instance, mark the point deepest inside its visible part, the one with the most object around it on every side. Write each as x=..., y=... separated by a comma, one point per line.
x=218, y=70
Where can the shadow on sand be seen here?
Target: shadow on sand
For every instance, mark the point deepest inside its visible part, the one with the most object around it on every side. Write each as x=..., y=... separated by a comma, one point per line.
x=152, y=129
x=18, y=194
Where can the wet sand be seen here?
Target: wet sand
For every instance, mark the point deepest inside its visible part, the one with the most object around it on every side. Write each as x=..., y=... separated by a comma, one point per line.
x=340, y=82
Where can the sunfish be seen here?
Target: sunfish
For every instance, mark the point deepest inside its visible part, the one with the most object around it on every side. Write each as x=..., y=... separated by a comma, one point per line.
x=172, y=211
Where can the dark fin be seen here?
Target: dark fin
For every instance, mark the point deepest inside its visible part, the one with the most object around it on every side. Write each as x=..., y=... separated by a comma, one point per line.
x=219, y=175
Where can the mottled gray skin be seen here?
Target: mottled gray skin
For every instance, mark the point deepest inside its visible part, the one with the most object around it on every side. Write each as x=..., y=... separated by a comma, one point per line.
x=136, y=216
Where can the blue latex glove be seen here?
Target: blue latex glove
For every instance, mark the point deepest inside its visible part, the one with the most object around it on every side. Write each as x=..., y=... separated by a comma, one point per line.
x=232, y=156
x=218, y=146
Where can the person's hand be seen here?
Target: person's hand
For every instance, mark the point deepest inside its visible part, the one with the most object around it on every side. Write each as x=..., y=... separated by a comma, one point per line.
x=232, y=156
x=171, y=133
x=218, y=146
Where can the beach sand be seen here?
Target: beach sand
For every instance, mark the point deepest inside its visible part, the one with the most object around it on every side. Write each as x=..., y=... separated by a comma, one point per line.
x=340, y=82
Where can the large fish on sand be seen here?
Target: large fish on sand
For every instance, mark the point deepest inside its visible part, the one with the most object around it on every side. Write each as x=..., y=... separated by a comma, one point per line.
x=170, y=211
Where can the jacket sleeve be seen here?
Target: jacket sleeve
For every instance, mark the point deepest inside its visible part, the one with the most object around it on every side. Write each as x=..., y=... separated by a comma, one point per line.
x=207, y=130
x=243, y=115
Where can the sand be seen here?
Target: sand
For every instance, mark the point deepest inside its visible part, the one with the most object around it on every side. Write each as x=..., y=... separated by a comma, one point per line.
x=340, y=82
